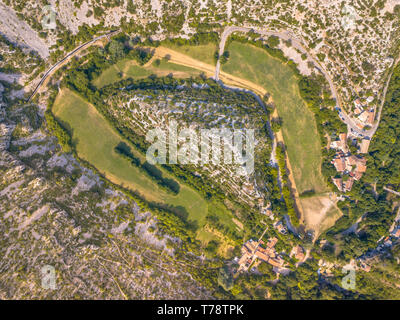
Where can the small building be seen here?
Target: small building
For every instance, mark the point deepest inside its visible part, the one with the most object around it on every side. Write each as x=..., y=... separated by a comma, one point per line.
x=352, y=160
x=370, y=99
x=272, y=242
x=357, y=103
x=396, y=233
x=338, y=182
x=298, y=253
x=363, y=266
x=364, y=145
x=280, y=227
x=361, y=166
x=348, y=184
x=253, y=250
x=371, y=117
x=339, y=164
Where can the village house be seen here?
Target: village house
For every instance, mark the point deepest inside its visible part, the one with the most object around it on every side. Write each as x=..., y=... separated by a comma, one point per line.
x=363, y=265
x=371, y=117
x=360, y=125
x=339, y=162
x=248, y=188
x=363, y=116
x=338, y=182
x=370, y=99
x=357, y=175
x=265, y=209
x=298, y=253
x=364, y=145
x=253, y=250
x=280, y=227
x=396, y=233
x=340, y=144
x=388, y=242
x=348, y=184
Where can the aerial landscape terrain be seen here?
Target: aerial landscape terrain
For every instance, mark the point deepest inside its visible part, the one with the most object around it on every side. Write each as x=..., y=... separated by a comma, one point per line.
x=216, y=149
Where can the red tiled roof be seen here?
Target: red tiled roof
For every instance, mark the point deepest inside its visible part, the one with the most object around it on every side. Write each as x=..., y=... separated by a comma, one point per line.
x=338, y=183
x=364, y=145
x=371, y=117
x=339, y=164
x=262, y=256
x=361, y=167
x=272, y=242
x=349, y=184
x=358, y=175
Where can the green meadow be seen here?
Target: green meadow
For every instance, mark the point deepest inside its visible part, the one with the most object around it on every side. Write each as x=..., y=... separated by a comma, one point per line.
x=130, y=69
x=95, y=140
x=204, y=53
x=298, y=127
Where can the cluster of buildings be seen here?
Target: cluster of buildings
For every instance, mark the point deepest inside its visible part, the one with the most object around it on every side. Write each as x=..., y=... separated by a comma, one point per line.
x=365, y=262
x=267, y=210
x=364, y=115
x=298, y=253
x=253, y=253
x=349, y=167
x=278, y=225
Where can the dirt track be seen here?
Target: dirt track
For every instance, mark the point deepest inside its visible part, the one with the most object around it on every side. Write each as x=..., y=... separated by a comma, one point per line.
x=209, y=70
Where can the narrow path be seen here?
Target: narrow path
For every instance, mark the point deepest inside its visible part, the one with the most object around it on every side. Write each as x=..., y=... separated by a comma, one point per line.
x=391, y=191
x=397, y=218
x=383, y=97
x=298, y=44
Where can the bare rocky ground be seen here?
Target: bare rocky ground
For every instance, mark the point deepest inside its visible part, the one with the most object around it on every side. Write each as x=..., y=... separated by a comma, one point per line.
x=56, y=212
x=20, y=32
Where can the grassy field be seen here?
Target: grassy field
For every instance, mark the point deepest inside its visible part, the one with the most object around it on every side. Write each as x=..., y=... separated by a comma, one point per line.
x=130, y=69
x=298, y=127
x=204, y=53
x=95, y=141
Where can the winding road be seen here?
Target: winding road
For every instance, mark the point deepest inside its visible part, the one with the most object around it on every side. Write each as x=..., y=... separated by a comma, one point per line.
x=54, y=68
x=284, y=35
x=297, y=44
x=241, y=84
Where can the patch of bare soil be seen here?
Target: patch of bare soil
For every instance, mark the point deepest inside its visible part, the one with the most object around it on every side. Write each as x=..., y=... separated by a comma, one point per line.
x=320, y=212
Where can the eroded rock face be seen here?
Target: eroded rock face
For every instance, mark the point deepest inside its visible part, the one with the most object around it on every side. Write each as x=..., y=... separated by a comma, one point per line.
x=50, y=215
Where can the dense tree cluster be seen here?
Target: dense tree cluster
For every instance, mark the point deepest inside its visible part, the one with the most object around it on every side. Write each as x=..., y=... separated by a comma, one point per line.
x=150, y=170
